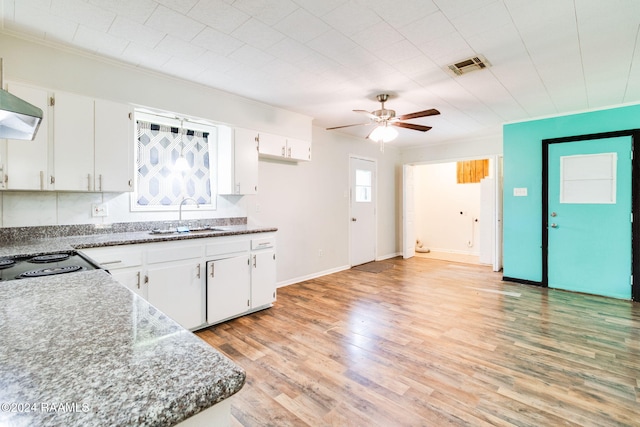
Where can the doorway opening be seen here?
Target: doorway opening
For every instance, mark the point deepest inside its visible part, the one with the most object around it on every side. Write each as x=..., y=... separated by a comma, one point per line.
x=451, y=217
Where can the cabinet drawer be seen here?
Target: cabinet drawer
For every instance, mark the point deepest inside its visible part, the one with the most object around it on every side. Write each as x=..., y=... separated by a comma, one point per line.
x=173, y=253
x=263, y=243
x=115, y=258
x=227, y=247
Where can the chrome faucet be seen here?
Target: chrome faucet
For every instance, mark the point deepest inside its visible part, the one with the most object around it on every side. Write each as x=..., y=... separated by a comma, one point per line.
x=185, y=199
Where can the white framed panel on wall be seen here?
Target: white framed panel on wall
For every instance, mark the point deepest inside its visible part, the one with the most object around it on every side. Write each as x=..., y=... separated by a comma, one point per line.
x=588, y=178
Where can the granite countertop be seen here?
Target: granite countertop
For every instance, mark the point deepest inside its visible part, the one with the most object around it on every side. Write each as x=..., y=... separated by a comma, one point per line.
x=82, y=350
x=37, y=245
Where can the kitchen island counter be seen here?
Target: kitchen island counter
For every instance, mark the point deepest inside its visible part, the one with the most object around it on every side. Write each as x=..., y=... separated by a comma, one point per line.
x=82, y=350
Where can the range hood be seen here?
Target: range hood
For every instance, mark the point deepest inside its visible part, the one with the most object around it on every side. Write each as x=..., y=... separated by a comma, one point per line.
x=18, y=118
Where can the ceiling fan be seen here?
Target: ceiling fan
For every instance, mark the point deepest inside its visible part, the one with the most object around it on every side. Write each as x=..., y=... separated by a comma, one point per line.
x=383, y=118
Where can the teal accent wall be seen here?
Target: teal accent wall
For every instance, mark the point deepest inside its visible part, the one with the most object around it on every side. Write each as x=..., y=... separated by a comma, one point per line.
x=522, y=148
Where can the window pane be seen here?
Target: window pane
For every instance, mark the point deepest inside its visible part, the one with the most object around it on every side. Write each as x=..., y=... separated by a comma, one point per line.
x=363, y=177
x=363, y=185
x=159, y=183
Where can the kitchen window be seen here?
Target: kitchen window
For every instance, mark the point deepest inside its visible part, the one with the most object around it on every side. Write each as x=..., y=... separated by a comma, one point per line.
x=161, y=182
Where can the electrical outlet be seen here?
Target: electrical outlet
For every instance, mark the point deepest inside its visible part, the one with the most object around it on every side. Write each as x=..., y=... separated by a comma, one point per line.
x=99, y=210
x=320, y=253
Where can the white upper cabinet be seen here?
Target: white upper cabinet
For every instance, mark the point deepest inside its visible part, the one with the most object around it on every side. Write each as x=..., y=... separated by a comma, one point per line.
x=237, y=161
x=273, y=146
x=25, y=164
x=73, y=150
x=114, y=137
x=278, y=147
x=83, y=144
x=92, y=144
x=298, y=149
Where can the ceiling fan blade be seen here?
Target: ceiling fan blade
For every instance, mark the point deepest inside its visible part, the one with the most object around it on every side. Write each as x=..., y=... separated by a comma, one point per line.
x=425, y=113
x=367, y=113
x=346, y=126
x=412, y=126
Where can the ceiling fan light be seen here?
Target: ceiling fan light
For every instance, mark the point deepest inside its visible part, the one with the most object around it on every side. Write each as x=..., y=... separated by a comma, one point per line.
x=383, y=133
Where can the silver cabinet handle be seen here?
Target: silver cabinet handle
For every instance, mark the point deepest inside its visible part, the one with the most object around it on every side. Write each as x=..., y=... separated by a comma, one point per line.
x=289, y=152
x=89, y=182
x=138, y=279
x=198, y=271
x=42, y=180
x=118, y=261
x=254, y=261
x=554, y=225
x=283, y=151
x=100, y=182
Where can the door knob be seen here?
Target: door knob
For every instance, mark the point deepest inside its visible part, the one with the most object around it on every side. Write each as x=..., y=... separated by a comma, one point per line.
x=353, y=219
x=554, y=225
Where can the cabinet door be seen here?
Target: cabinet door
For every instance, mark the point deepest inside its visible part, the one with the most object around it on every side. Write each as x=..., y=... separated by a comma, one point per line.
x=263, y=278
x=176, y=289
x=272, y=145
x=245, y=161
x=113, y=147
x=132, y=279
x=26, y=163
x=73, y=142
x=298, y=149
x=228, y=288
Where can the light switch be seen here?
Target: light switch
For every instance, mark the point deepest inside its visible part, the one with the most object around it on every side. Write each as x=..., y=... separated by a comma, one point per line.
x=520, y=192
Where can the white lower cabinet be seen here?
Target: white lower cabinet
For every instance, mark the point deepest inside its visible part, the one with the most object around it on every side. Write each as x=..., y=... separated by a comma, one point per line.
x=124, y=263
x=263, y=272
x=228, y=288
x=197, y=282
x=175, y=288
x=175, y=276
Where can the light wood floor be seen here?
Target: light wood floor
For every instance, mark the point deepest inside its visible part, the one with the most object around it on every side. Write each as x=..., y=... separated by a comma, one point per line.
x=433, y=343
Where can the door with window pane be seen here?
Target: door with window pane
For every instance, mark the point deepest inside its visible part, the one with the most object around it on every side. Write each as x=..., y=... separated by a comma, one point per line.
x=362, y=229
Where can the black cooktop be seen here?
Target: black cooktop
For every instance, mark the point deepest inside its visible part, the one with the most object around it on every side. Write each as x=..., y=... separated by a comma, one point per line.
x=25, y=267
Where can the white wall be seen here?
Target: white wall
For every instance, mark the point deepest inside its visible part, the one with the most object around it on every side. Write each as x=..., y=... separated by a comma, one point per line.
x=439, y=203
x=308, y=201
x=309, y=204
x=454, y=150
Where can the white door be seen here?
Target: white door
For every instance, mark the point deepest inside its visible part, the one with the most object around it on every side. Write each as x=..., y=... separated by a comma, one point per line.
x=263, y=278
x=228, y=287
x=408, y=211
x=73, y=142
x=176, y=290
x=113, y=147
x=362, y=229
x=497, y=257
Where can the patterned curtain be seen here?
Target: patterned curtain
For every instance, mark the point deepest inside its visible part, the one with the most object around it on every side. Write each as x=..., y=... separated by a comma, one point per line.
x=159, y=183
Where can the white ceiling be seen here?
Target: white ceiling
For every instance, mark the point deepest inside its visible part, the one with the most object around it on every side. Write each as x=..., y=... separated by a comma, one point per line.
x=324, y=58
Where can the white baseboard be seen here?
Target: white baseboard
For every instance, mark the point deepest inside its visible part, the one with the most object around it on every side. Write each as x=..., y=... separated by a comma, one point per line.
x=388, y=256
x=311, y=276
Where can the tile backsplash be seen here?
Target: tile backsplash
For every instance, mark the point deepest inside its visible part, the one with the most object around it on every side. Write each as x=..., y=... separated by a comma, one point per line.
x=24, y=209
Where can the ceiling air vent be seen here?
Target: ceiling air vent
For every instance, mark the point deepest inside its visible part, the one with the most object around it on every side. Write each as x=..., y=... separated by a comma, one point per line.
x=465, y=66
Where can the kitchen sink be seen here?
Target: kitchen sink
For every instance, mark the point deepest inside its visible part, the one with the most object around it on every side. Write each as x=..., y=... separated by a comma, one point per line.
x=187, y=230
